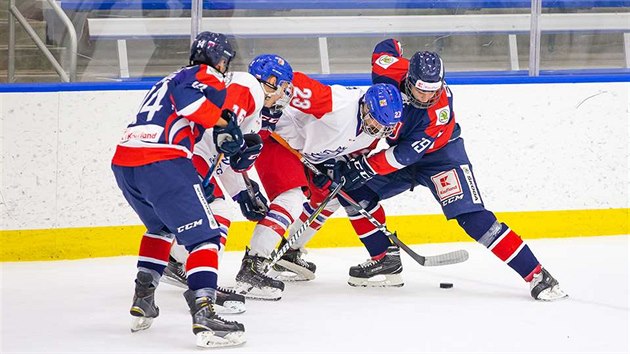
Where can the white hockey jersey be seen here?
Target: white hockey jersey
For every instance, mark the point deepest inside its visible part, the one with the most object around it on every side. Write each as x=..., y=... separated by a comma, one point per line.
x=245, y=97
x=323, y=122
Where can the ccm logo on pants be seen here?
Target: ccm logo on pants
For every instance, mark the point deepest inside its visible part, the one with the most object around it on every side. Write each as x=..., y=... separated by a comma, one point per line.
x=190, y=225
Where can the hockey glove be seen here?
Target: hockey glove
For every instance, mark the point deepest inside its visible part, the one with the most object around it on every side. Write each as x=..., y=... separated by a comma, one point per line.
x=245, y=158
x=356, y=172
x=228, y=139
x=208, y=191
x=323, y=180
x=269, y=119
x=254, y=207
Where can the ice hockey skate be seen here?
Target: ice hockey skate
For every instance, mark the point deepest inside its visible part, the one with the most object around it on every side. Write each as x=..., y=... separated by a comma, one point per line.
x=228, y=302
x=253, y=283
x=544, y=287
x=211, y=330
x=384, y=272
x=292, y=267
x=143, y=308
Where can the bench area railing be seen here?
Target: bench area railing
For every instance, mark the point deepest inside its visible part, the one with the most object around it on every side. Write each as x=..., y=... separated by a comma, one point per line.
x=322, y=27
x=282, y=5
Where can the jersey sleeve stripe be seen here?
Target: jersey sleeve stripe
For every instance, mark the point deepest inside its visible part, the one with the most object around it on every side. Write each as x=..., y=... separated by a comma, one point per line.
x=384, y=162
x=192, y=107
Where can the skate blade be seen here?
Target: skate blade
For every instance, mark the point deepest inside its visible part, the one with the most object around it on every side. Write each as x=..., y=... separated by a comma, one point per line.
x=140, y=323
x=230, y=308
x=378, y=281
x=552, y=294
x=207, y=339
x=293, y=272
x=251, y=292
x=168, y=280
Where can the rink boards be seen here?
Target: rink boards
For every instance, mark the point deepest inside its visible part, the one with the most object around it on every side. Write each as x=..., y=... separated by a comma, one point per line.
x=550, y=159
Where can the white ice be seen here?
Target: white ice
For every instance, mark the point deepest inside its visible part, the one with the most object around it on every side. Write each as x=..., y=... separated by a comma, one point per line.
x=82, y=306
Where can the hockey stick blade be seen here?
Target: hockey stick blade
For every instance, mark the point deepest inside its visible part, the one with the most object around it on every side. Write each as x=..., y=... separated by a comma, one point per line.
x=454, y=257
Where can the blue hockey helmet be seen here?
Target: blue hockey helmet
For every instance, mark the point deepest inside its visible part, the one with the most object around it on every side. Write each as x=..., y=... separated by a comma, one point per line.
x=426, y=74
x=211, y=48
x=266, y=65
x=263, y=67
x=382, y=110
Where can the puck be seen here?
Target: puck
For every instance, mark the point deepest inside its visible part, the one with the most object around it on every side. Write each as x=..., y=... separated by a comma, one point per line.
x=446, y=285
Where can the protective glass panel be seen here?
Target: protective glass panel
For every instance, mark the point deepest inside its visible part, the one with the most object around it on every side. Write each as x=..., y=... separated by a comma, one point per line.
x=146, y=39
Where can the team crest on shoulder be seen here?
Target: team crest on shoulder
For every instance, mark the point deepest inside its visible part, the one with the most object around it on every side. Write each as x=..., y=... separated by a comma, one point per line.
x=443, y=115
x=385, y=61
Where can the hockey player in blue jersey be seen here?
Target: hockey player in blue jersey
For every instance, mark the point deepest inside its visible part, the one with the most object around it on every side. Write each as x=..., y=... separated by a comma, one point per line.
x=153, y=169
x=426, y=150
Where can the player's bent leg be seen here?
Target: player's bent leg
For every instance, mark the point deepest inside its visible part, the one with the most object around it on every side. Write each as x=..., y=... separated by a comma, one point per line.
x=509, y=247
x=154, y=248
x=210, y=329
x=251, y=280
x=384, y=268
x=292, y=267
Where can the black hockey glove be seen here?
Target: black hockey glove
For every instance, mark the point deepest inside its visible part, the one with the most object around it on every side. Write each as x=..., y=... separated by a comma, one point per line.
x=323, y=180
x=254, y=207
x=269, y=119
x=356, y=172
x=228, y=139
x=208, y=190
x=245, y=158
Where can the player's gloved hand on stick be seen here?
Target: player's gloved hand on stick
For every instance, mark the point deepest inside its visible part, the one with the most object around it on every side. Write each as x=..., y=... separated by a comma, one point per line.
x=228, y=139
x=208, y=190
x=255, y=207
x=356, y=172
x=245, y=158
x=323, y=180
x=270, y=119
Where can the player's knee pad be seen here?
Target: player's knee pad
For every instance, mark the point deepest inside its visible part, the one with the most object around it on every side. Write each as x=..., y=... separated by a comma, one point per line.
x=477, y=224
x=291, y=201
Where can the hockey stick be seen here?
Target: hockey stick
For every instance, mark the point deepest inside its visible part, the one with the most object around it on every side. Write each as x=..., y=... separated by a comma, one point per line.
x=278, y=253
x=428, y=261
x=262, y=208
x=212, y=170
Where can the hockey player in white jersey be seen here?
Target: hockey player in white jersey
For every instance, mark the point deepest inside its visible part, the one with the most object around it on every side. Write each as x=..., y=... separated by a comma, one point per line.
x=246, y=97
x=322, y=122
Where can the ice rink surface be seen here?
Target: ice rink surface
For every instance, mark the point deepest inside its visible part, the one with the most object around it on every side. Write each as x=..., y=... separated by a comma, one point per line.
x=82, y=306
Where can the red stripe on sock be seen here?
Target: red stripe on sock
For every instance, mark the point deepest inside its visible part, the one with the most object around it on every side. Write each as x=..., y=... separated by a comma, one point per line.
x=277, y=208
x=536, y=270
x=280, y=230
x=203, y=258
x=152, y=247
x=223, y=221
x=507, y=246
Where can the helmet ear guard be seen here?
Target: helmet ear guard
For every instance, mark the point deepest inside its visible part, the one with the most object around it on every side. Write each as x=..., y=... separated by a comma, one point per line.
x=211, y=48
x=384, y=110
x=426, y=73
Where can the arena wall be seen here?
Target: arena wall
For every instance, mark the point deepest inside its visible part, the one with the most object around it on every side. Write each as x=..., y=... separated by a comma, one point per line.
x=551, y=159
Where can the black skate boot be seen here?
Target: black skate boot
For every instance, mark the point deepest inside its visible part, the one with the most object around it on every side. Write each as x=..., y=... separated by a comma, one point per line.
x=211, y=330
x=384, y=272
x=544, y=287
x=253, y=283
x=229, y=302
x=292, y=267
x=175, y=273
x=143, y=308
